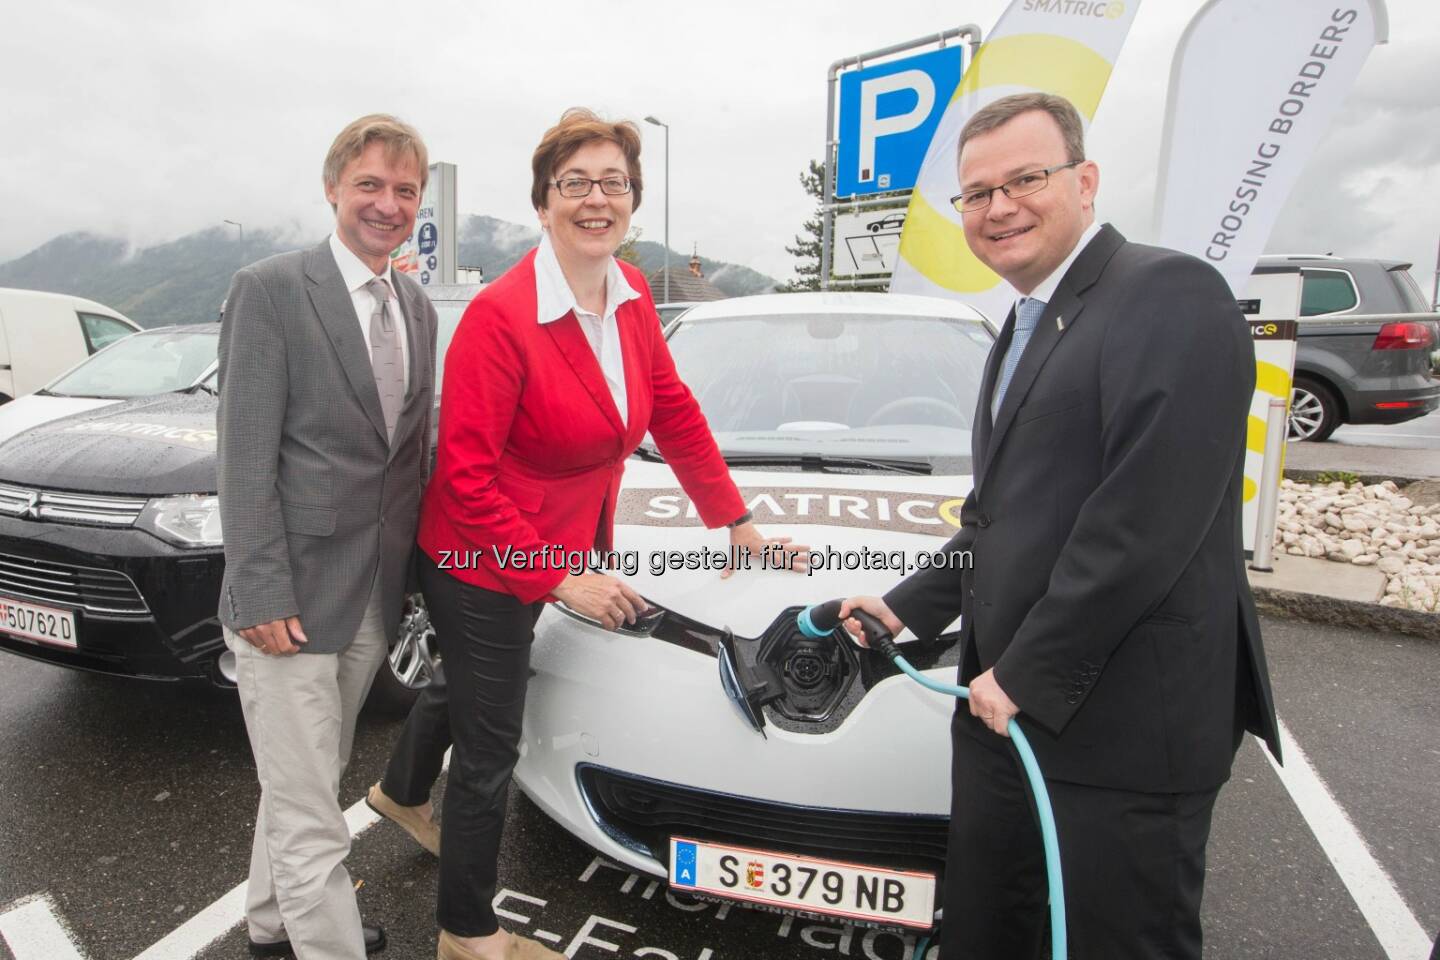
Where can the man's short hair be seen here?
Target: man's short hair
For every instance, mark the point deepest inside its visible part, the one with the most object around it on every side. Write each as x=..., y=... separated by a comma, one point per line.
x=1002, y=111
x=398, y=137
x=578, y=127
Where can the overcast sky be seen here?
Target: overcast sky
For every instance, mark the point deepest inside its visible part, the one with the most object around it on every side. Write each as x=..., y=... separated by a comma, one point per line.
x=151, y=119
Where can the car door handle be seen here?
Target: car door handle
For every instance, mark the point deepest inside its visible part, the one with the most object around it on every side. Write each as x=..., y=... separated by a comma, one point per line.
x=4, y=366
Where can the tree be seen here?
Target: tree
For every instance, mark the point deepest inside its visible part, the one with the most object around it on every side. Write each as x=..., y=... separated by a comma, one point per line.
x=806, y=249
x=628, y=251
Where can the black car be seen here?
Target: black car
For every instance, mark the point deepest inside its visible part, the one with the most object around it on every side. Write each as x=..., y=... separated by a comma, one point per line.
x=110, y=543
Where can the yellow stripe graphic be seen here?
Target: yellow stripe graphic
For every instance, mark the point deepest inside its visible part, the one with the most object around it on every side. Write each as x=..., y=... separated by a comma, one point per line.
x=1043, y=62
x=932, y=243
x=1255, y=434
x=1272, y=380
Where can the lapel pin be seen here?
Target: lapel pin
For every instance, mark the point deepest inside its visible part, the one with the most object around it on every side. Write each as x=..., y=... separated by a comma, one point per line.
x=1060, y=323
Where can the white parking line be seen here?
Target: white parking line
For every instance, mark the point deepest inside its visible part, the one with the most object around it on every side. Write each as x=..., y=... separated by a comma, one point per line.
x=225, y=914
x=32, y=931
x=201, y=930
x=1399, y=933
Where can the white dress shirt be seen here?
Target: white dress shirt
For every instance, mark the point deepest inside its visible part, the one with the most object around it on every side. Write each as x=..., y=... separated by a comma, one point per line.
x=356, y=275
x=1045, y=292
x=554, y=299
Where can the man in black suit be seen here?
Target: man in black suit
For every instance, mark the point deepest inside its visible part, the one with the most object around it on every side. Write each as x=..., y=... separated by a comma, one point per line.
x=1105, y=599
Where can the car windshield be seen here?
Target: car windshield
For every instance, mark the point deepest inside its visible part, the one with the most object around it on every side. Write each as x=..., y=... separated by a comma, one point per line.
x=141, y=366
x=881, y=387
x=669, y=311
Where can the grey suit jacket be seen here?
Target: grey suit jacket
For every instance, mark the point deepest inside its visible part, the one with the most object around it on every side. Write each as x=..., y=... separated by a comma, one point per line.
x=315, y=502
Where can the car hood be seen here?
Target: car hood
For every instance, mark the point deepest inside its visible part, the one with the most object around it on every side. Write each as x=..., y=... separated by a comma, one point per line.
x=847, y=518
x=151, y=446
x=35, y=409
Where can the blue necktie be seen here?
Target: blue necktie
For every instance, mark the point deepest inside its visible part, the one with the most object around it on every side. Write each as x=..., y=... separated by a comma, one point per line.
x=1027, y=315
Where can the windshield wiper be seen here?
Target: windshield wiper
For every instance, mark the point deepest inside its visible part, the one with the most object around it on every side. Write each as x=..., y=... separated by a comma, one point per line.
x=821, y=463
x=202, y=385
x=648, y=454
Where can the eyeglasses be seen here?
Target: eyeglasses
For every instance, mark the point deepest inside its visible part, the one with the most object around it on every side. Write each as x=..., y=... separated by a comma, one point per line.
x=576, y=188
x=1021, y=186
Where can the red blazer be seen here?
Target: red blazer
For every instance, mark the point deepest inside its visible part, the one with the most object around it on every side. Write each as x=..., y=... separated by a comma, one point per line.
x=531, y=447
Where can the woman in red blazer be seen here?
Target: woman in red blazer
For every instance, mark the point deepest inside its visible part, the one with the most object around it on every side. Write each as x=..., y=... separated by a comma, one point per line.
x=554, y=376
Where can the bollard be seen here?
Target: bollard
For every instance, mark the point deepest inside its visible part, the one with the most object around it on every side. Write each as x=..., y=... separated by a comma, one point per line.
x=1276, y=424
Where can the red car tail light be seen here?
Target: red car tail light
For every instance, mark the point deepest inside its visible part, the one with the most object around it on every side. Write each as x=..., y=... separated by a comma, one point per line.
x=1409, y=335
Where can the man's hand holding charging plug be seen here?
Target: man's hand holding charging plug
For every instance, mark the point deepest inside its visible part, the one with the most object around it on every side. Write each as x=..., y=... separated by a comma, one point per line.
x=987, y=701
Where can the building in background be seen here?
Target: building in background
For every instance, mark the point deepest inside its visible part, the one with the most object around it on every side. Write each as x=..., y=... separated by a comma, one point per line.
x=687, y=284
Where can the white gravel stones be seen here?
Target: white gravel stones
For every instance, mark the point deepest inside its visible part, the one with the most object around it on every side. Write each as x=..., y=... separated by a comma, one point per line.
x=1368, y=526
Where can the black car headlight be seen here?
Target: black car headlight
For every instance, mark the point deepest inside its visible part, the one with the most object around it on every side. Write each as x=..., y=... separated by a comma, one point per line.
x=192, y=520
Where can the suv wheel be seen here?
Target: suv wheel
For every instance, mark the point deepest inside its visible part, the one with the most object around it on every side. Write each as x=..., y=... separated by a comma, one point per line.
x=1314, y=412
x=411, y=662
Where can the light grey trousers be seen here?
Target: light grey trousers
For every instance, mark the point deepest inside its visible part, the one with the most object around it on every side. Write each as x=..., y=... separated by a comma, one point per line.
x=300, y=714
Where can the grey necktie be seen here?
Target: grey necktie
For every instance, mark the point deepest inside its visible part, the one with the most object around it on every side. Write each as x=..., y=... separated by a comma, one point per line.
x=386, y=357
x=1027, y=315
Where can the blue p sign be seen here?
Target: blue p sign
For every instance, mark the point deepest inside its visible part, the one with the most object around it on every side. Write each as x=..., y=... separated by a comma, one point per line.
x=888, y=114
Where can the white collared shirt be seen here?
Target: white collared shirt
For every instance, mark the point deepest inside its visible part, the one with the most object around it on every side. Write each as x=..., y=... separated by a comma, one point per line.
x=554, y=299
x=356, y=275
x=1045, y=292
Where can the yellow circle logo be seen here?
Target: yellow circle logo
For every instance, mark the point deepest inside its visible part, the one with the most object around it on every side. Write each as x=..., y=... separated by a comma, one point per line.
x=948, y=511
x=1115, y=10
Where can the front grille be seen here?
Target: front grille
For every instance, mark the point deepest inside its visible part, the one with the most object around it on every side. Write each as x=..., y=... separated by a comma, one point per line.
x=58, y=507
x=94, y=590
x=643, y=814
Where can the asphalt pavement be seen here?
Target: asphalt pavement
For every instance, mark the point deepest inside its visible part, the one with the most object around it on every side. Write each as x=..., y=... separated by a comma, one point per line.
x=1402, y=450
x=130, y=807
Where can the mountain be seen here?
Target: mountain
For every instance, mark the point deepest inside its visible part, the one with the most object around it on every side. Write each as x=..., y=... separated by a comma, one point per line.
x=184, y=281
x=495, y=246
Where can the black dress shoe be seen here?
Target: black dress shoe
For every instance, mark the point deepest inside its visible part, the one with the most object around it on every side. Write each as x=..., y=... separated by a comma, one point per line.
x=374, y=943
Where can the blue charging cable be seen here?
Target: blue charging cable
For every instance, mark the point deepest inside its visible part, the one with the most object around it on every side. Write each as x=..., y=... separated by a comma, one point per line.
x=822, y=620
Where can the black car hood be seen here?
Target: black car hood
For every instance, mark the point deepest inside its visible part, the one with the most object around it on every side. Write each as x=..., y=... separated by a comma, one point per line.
x=150, y=446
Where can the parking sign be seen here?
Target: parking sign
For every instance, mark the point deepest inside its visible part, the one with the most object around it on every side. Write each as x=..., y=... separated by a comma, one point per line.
x=888, y=113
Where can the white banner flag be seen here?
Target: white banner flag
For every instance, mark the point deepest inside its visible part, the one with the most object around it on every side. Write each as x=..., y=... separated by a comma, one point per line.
x=1068, y=49
x=1254, y=85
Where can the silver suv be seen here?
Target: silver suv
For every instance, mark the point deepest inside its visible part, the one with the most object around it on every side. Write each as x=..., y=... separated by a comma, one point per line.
x=1368, y=348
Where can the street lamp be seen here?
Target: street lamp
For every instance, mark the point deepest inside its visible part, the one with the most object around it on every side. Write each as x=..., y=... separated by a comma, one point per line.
x=667, y=202
x=241, y=226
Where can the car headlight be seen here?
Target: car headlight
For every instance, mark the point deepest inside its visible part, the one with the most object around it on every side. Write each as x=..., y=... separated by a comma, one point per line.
x=186, y=521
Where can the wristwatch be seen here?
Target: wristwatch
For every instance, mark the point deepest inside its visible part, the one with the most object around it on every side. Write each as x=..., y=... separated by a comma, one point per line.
x=745, y=517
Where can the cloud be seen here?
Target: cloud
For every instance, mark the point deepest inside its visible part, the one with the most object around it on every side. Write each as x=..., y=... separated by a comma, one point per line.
x=161, y=118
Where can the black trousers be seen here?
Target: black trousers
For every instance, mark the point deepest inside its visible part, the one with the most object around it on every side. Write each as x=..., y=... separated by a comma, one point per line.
x=1133, y=863
x=419, y=753
x=478, y=699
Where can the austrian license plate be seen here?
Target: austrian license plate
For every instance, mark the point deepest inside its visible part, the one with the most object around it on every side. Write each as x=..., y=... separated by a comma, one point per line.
x=35, y=622
x=891, y=897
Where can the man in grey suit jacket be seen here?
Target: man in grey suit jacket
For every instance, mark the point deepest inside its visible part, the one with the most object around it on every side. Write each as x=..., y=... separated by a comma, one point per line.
x=327, y=371
x=1106, y=599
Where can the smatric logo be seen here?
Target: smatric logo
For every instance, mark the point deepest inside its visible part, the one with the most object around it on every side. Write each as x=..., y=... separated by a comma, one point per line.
x=864, y=509
x=1108, y=9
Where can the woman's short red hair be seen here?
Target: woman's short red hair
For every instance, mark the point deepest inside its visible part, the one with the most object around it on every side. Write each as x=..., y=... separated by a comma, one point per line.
x=578, y=127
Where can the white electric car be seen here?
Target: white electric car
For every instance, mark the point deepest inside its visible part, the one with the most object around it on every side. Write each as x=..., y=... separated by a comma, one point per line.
x=712, y=743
